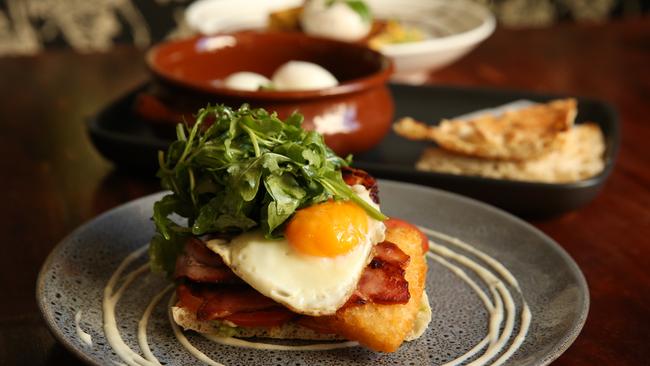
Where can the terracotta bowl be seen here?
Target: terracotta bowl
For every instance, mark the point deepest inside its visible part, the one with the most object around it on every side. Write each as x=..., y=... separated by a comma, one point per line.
x=353, y=116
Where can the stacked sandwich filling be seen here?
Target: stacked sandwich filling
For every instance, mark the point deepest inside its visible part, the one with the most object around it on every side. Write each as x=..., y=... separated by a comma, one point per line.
x=211, y=289
x=270, y=234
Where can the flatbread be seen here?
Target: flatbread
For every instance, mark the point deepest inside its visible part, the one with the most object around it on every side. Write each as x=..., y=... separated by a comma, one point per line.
x=188, y=321
x=521, y=134
x=578, y=156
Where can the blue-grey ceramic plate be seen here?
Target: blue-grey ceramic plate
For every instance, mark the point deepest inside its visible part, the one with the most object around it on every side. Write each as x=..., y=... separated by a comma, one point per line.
x=74, y=275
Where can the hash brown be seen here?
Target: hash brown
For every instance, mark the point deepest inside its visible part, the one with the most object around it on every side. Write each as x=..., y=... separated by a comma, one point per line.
x=384, y=327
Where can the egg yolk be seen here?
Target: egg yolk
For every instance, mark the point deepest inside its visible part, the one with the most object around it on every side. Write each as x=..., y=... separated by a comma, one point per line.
x=327, y=229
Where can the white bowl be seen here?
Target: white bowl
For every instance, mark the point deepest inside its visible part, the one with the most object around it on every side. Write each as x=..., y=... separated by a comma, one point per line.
x=454, y=27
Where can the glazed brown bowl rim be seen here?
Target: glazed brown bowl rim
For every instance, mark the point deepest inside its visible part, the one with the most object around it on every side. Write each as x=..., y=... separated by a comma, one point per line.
x=374, y=79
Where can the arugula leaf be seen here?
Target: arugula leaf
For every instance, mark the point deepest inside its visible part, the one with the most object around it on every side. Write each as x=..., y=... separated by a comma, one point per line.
x=163, y=252
x=286, y=195
x=247, y=169
x=162, y=209
x=360, y=8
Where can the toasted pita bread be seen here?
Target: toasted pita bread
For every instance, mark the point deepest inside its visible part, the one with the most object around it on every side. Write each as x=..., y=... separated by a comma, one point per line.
x=579, y=155
x=520, y=134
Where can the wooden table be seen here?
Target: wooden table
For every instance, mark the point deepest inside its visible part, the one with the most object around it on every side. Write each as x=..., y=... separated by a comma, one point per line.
x=53, y=179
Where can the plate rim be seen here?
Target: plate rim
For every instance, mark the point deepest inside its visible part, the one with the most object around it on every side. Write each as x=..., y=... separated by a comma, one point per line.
x=562, y=344
x=47, y=264
x=557, y=349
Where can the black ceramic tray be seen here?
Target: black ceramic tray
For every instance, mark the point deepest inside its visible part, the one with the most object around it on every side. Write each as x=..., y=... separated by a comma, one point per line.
x=131, y=143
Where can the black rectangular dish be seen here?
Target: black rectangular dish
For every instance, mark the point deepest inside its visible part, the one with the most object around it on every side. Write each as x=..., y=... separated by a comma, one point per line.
x=131, y=143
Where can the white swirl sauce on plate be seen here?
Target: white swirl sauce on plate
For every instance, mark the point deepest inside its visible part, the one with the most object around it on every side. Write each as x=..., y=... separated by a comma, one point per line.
x=497, y=346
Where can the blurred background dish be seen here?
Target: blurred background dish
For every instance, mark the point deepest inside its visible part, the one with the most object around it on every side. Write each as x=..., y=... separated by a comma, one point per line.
x=132, y=144
x=418, y=35
x=353, y=112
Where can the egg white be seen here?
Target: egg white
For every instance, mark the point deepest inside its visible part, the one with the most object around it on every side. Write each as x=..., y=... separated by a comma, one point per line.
x=335, y=21
x=305, y=284
x=302, y=75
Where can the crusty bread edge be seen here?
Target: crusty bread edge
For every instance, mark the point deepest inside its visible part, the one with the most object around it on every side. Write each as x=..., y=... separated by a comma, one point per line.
x=188, y=321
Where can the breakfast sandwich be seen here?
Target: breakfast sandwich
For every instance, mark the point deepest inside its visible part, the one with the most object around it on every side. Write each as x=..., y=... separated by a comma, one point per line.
x=276, y=236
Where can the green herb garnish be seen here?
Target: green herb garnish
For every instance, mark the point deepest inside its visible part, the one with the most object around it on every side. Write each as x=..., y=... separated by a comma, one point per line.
x=360, y=8
x=248, y=169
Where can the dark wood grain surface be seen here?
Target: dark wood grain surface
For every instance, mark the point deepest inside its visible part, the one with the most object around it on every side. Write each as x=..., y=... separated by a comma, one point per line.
x=53, y=179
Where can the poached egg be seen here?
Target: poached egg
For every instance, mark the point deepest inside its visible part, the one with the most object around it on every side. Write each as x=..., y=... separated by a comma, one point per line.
x=246, y=80
x=315, y=268
x=302, y=75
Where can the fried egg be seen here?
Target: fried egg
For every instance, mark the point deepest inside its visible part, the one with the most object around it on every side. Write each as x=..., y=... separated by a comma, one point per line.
x=246, y=80
x=333, y=20
x=302, y=75
x=316, y=267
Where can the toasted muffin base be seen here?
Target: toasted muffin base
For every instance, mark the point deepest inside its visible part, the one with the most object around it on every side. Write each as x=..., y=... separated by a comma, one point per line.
x=188, y=321
x=578, y=156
